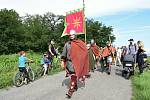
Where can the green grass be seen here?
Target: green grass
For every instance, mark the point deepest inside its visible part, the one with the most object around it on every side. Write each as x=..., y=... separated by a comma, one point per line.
x=9, y=67
x=141, y=86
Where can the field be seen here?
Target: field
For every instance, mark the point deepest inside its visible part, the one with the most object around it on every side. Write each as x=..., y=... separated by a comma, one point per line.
x=9, y=67
x=141, y=86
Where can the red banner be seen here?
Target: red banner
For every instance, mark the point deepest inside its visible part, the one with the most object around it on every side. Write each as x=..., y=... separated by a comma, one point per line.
x=74, y=21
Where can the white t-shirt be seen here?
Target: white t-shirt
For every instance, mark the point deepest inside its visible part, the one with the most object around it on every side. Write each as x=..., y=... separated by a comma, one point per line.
x=119, y=53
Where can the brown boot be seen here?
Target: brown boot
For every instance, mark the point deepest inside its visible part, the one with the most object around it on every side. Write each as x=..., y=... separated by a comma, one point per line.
x=70, y=92
x=74, y=78
x=73, y=86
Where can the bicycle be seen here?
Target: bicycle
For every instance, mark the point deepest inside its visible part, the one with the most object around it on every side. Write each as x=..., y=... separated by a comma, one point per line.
x=40, y=71
x=20, y=78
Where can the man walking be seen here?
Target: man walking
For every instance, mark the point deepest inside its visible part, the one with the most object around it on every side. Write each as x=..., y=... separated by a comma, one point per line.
x=75, y=60
x=132, y=49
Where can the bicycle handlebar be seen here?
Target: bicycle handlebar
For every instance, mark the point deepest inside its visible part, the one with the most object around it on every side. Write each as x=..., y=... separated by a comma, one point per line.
x=28, y=62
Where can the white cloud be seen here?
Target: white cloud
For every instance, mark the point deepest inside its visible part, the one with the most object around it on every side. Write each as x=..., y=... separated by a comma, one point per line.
x=105, y=7
x=40, y=6
x=137, y=33
x=139, y=29
x=93, y=7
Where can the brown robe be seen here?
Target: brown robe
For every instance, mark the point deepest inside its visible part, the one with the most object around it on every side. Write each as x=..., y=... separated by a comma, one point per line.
x=77, y=60
x=95, y=50
x=80, y=58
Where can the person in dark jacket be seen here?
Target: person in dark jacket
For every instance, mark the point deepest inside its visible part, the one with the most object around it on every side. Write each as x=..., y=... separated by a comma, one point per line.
x=140, y=56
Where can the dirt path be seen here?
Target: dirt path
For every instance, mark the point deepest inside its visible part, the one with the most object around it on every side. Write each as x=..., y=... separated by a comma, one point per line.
x=99, y=87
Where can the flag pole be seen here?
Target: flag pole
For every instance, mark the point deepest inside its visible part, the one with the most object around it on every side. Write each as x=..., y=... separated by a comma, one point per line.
x=84, y=20
x=109, y=39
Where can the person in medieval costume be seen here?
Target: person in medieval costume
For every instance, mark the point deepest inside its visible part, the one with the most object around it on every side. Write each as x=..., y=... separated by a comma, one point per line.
x=75, y=60
x=96, y=52
x=91, y=58
x=108, y=51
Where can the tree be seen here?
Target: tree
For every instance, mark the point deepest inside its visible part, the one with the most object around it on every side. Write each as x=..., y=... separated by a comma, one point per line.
x=39, y=30
x=33, y=32
x=11, y=31
x=99, y=32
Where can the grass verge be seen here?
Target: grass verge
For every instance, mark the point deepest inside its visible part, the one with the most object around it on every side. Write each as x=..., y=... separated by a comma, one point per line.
x=141, y=86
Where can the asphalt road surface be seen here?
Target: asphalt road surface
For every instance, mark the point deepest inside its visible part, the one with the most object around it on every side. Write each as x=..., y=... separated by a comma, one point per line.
x=99, y=86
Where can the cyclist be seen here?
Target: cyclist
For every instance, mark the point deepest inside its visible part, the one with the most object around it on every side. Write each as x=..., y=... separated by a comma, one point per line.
x=22, y=64
x=45, y=62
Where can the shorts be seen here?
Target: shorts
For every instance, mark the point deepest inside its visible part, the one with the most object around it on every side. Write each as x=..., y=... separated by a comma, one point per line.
x=22, y=69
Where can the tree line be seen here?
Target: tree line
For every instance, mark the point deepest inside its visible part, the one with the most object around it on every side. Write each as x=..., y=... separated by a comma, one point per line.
x=33, y=32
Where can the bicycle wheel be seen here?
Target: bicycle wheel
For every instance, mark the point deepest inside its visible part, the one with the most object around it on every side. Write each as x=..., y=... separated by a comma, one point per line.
x=41, y=72
x=18, y=79
x=31, y=74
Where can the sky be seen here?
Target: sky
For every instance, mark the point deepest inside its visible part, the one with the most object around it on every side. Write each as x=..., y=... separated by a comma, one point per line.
x=135, y=24
x=129, y=18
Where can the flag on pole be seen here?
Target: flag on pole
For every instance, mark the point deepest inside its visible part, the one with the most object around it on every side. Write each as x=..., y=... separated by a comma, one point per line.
x=74, y=21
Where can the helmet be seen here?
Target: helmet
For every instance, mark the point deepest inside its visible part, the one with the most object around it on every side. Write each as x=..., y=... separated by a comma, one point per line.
x=73, y=32
x=92, y=41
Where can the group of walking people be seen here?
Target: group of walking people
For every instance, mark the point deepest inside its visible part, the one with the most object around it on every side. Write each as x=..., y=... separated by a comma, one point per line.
x=79, y=59
x=138, y=53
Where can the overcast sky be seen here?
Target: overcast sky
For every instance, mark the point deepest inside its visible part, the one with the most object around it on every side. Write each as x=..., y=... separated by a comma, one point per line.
x=126, y=16
x=93, y=7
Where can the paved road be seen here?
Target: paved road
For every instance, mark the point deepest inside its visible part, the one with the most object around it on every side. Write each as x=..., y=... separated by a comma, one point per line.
x=99, y=87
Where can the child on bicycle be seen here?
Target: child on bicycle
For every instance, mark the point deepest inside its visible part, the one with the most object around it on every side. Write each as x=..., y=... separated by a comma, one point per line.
x=45, y=62
x=22, y=64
